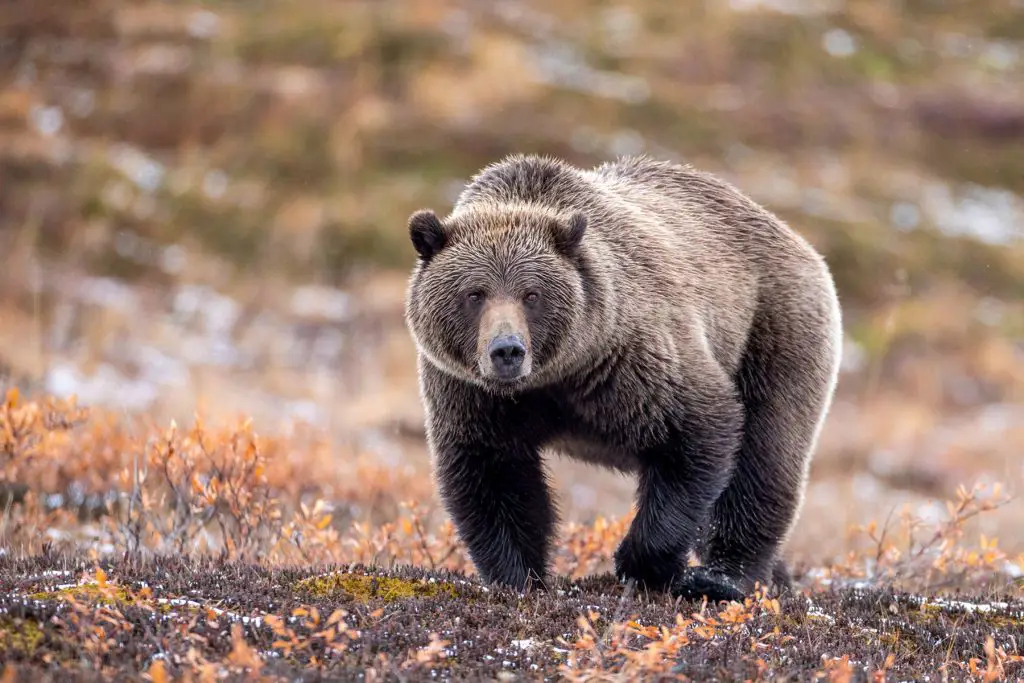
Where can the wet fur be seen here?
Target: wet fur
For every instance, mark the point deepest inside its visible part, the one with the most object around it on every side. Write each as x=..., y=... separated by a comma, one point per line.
x=689, y=337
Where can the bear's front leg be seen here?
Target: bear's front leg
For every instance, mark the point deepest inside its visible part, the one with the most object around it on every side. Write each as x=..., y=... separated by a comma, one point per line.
x=499, y=500
x=679, y=481
x=490, y=477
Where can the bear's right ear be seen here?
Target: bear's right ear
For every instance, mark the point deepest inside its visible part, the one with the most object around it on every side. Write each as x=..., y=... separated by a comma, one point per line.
x=427, y=233
x=569, y=235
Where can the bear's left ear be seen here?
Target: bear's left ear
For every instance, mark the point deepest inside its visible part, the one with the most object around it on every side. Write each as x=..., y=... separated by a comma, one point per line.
x=569, y=235
x=427, y=233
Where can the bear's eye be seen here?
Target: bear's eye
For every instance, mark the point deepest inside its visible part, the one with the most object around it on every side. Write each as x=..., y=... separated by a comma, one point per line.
x=475, y=297
x=531, y=297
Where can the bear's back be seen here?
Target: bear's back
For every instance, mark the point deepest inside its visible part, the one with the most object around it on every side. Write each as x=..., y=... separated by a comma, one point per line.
x=677, y=192
x=679, y=245
x=668, y=205
x=521, y=179
x=644, y=218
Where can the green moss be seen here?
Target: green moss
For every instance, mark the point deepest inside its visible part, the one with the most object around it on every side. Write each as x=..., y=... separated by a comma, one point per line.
x=89, y=592
x=24, y=635
x=363, y=587
x=791, y=621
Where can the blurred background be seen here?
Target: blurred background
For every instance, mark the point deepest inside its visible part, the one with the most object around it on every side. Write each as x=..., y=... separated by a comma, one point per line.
x=203, y=204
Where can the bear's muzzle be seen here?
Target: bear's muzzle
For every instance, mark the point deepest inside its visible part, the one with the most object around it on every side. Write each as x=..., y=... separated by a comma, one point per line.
x=504, y=348
x=507, y=353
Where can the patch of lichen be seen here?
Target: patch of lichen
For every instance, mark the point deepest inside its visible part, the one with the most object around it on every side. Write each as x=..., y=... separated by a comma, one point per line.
x=22, y=635
x=367, y=587
x=88, y=592
x=931, y=612
x=919, y=626
x=902, y=643
x=792, y=621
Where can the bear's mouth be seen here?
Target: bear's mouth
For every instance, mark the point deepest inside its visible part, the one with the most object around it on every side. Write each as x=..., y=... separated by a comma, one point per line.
x=504, y=387
x=503, y=376
x=511, y=379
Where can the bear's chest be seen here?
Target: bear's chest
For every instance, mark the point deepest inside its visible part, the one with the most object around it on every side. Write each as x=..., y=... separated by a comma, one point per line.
x=609, y=427
x=595, y=451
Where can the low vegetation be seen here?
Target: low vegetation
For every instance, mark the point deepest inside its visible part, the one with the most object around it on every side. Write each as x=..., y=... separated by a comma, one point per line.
x=214, y=552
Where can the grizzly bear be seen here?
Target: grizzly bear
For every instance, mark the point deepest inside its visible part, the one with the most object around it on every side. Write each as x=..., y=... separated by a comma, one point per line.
x=643, y=316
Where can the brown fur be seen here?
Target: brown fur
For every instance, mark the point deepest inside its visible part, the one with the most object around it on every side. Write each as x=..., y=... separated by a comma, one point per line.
x=678, y=331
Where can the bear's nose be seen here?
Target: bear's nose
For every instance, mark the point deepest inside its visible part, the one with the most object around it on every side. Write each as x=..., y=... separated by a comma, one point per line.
x=507, y=353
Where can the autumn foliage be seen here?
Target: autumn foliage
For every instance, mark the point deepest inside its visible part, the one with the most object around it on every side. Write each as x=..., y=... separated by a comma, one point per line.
x=99, y=490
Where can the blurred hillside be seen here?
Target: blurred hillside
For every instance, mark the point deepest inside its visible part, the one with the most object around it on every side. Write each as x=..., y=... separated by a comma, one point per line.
x=296, y=137
x=203, y=204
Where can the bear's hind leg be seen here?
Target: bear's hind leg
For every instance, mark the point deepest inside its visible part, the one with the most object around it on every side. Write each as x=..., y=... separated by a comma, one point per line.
x=786, y=386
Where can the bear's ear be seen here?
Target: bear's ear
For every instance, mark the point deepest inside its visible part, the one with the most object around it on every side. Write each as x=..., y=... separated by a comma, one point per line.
x=427, y=233
x=569, y=235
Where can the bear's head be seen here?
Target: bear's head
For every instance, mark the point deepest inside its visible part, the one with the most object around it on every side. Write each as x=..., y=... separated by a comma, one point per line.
x=497, y=293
